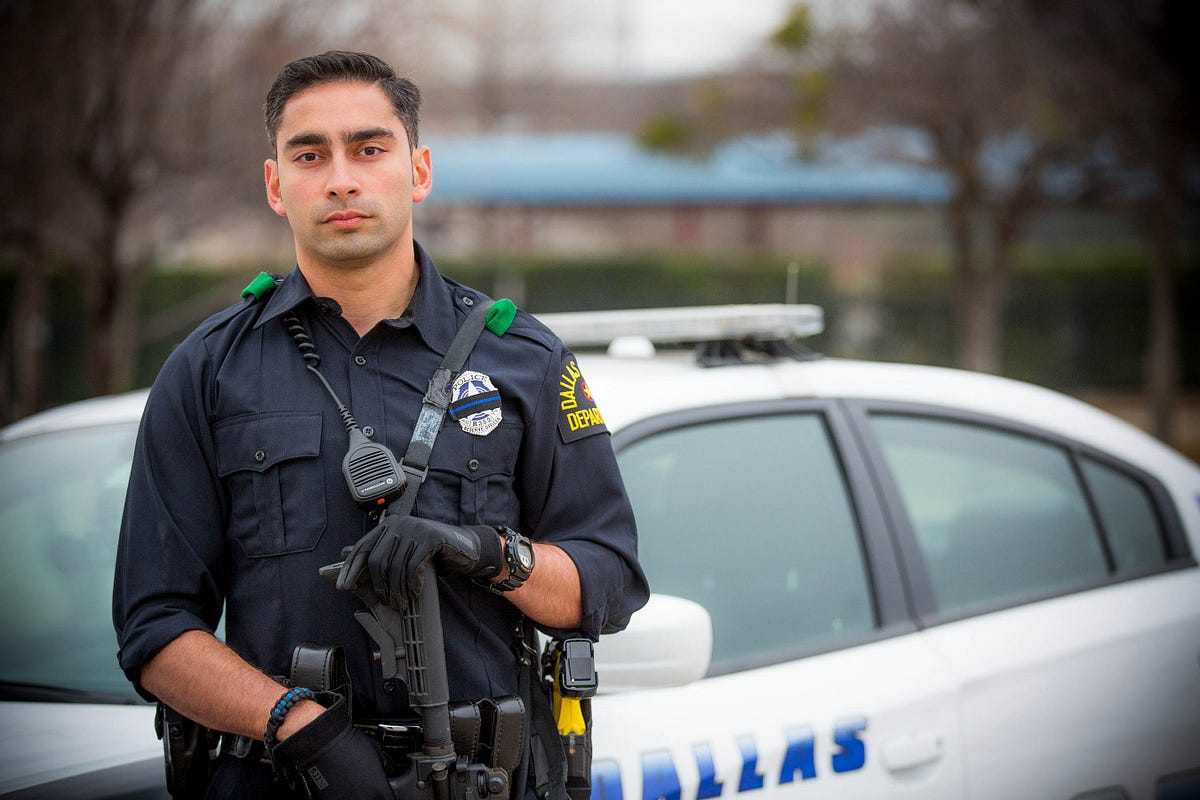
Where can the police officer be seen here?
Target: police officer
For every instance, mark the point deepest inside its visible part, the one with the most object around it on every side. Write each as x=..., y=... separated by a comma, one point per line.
x=236, y=497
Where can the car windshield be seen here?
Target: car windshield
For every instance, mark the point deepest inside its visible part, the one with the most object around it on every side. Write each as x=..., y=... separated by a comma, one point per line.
x=60, y=509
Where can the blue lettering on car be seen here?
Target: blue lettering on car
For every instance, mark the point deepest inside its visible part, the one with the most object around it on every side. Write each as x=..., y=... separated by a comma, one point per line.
x=709, y=785
x=660, y=776
x=800, y=755
x=751, y=779
x=606, y=780
x=660, y=780
x=852, y=753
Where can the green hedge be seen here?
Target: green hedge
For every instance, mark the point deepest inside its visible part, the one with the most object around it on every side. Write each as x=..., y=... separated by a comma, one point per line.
x=1073, y=319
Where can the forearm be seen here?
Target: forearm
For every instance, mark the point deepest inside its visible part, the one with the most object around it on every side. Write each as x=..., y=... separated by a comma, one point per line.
x=552, y=595
x=201, y=678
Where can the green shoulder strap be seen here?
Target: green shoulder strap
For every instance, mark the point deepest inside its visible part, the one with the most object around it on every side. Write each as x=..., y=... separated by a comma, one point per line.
x=502, y=314
x=261, y=286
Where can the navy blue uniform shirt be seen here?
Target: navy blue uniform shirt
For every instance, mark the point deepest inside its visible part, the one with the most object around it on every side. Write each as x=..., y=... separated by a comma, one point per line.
x=236, y=496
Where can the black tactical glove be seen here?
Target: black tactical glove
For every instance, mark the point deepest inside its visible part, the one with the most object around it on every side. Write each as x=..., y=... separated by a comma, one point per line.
x=332, y=759
x=393, y=554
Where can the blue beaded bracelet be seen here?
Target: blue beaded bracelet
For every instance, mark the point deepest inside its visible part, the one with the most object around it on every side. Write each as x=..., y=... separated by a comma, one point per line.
x=282, y=707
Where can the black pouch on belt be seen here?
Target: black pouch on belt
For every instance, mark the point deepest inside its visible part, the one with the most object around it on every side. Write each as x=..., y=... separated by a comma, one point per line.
x=466, y=724
x=492, y=732
x=321, y=668
x=504, y=734
x=187, y=749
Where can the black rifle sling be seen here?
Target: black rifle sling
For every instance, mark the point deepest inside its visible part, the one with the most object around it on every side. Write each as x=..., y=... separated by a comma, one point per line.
x=434, y=406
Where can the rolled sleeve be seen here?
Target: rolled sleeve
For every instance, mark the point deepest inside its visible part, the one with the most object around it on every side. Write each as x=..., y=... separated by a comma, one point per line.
x=169, y=557
x=584, y=510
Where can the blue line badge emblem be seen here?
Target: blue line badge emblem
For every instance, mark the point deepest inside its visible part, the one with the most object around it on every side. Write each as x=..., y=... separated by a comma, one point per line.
x=475, y=403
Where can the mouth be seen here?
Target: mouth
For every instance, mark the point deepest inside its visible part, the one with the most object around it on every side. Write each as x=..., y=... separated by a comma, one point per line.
x=343, y=220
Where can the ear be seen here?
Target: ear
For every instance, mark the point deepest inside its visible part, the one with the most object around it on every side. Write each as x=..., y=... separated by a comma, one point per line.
x=422, y=174
x=271, y=179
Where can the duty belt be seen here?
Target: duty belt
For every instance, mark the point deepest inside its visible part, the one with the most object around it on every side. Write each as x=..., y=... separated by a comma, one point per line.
x=491, y=731
x=396, y=742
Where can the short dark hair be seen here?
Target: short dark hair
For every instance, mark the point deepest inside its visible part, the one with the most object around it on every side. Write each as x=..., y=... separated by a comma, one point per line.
x=342, y=65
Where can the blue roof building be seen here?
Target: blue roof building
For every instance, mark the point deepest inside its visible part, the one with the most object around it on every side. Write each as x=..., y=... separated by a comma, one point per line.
x=598, y=194
x=596, y=169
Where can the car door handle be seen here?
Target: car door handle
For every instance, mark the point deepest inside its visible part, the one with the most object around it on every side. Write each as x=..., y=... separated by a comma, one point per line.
x=912, y=750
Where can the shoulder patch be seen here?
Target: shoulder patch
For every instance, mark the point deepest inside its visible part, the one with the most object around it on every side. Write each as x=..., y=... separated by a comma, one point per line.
x=578, y=416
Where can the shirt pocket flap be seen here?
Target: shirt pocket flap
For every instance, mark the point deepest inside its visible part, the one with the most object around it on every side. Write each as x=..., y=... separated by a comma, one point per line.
x=475, y=457
x=257, y=442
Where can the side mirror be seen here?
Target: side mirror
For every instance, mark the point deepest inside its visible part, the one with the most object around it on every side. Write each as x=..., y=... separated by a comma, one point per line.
x=667, y=643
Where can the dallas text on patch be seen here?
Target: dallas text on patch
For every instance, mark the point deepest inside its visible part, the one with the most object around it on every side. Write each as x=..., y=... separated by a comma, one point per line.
x=579, y=416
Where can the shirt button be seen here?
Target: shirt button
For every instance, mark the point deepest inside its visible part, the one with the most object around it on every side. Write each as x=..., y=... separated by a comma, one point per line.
x=473, y=465
x=260, y=456
x=368, y=431
x=468, y=302
x=360, y=360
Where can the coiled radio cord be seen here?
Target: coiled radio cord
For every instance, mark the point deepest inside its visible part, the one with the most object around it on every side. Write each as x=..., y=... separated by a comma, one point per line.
x=312, y=360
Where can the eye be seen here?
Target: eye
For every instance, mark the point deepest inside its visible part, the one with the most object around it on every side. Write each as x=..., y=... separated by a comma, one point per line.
x=371, y=150
x=306, y=158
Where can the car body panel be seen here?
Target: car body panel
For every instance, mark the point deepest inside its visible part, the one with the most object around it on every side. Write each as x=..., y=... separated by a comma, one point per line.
x=43, y=744
x=819, y=725
x=113, y=409
x=1081, y=690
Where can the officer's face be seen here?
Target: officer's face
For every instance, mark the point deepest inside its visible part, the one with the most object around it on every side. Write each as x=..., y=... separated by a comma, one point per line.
x=345, y=177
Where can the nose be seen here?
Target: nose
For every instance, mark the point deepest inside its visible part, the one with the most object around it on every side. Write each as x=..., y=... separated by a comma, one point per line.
x=342, y=182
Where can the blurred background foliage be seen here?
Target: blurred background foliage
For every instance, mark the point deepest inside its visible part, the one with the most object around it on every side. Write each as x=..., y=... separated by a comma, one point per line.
x=1075, y=321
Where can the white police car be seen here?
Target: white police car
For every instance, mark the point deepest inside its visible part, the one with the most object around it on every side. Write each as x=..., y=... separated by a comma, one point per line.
x=872, y=581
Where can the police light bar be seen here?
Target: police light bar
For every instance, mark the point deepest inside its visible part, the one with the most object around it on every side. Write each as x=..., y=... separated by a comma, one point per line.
x=691, y=325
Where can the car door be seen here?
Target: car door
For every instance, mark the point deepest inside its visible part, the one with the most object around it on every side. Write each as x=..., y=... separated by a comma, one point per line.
x=819, y=686
x=1057, y=583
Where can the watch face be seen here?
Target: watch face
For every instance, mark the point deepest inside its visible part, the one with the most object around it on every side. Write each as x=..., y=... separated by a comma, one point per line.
x=525, y=554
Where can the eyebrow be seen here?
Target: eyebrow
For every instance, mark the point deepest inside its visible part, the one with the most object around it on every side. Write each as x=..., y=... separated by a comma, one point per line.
x=353, y=137
x=368, y=134
x=306, y=140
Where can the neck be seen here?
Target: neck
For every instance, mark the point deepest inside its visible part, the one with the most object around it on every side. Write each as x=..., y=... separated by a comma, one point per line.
x=369, y=293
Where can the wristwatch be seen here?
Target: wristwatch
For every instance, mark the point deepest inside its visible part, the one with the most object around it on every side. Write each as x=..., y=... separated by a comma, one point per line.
x=518, y=554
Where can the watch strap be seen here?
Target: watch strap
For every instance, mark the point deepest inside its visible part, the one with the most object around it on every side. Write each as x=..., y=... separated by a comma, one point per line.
x=517, y=573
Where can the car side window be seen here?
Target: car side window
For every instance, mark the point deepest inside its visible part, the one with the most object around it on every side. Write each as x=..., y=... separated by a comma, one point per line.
x=751, y=518
x=998, y=517
x=1128, y=517
x=60, y=512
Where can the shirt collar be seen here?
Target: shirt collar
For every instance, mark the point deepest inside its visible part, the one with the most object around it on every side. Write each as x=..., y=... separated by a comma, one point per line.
x=431, y=309
x=292, y=292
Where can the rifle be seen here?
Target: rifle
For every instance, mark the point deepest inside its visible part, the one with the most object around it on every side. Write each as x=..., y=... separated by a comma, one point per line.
x=411, y=641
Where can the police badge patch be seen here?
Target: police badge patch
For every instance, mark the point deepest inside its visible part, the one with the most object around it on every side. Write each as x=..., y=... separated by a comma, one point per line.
x=475, y=403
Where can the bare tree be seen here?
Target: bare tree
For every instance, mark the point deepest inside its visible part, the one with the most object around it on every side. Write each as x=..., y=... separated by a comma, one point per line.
x=1127, y=76
x=133, y=56
x=948, y=70
x=92, y=132
x=148, y=131
x=940, y=68
x=31, y=142
x=477, y=60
